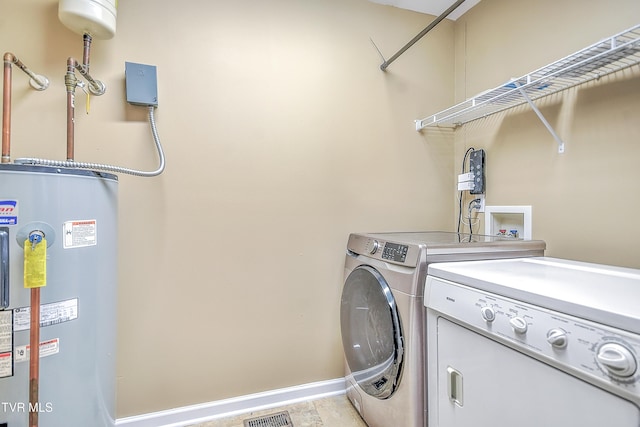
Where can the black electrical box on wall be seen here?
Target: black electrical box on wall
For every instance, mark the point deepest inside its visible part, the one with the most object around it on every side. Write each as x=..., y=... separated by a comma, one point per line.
x=476, y=168
x=141, y=84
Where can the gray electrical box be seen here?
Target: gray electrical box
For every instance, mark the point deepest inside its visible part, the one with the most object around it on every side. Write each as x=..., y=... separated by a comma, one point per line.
x=141, y=84
x=477, y=169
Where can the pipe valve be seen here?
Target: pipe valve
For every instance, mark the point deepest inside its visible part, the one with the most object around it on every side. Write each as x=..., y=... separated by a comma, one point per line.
x=35, y=237
x=70, y=81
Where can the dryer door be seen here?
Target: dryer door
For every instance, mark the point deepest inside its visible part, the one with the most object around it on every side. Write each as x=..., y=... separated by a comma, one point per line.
x=371, y=332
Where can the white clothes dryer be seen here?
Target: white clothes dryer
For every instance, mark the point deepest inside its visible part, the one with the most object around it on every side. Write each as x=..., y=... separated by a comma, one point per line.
x=381, y=314
x=532, y=342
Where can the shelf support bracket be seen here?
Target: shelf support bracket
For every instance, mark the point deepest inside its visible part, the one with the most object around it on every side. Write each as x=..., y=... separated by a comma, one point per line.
x=543, y=119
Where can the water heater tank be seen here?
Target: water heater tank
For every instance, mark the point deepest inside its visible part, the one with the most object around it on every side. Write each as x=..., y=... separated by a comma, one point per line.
x=95, y=17
x=77, y=211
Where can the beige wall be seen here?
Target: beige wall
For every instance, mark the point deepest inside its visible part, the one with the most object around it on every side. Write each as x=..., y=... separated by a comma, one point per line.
x=282, y=135
x=584, y=201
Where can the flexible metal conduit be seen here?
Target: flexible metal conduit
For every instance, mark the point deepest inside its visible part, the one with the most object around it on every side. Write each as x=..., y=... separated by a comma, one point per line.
x=103, y=167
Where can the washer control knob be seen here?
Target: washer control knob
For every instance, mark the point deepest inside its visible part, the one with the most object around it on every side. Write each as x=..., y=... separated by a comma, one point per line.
x=375, y=245
x=488, y=314
x=617, y=360
x=518, y=324
x=557, y=338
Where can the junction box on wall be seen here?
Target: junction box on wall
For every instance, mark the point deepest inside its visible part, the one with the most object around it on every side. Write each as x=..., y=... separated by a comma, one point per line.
x=141, y=84
x=474, y=180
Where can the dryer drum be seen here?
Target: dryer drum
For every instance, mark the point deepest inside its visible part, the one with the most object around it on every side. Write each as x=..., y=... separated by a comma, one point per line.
x=371, y=332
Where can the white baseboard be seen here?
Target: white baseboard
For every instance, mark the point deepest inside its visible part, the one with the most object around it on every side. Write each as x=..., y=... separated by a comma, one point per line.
x=204, y=412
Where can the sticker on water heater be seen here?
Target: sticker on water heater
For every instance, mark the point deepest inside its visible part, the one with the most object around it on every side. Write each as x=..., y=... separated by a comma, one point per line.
x=80, y=234
x=6, y=343
x=6, y=364
x=50, y=314
x=8, y=212
x=47, y=348
x=6, y=330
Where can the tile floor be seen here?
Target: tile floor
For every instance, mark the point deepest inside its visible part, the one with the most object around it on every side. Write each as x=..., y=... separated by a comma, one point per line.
x=333, y=411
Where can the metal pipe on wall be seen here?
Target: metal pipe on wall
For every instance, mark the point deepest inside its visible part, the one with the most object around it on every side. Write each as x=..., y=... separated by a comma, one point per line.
x=70, y=82
x=96, y=87
x=85, y=51
x=37, y=82
x=6, y=109
x=422, y=33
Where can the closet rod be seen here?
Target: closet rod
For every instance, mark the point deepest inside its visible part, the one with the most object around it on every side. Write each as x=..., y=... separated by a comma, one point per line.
x=413, y=41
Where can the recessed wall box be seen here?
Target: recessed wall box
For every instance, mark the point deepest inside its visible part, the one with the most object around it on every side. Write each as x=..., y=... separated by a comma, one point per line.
x=512, y=221
x=141, y=84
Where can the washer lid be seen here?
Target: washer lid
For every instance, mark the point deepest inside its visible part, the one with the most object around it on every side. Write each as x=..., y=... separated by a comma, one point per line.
x=603, y=294
x=410, y=249
x=371, y=332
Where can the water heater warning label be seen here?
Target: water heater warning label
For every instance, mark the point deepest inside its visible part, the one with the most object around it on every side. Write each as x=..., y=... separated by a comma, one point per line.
x=6, y=343
x=8, y=212
x=6, y=364
x=79, y=234
x=6, y=330
x=47, y=348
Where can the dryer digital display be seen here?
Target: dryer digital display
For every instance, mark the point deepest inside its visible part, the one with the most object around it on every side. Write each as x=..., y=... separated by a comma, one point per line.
x=395, y=252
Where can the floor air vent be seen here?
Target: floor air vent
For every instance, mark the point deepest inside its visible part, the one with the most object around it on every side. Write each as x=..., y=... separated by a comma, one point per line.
x=281, y=419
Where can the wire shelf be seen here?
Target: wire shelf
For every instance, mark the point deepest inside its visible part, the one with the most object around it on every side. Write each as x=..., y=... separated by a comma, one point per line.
x=607, y=56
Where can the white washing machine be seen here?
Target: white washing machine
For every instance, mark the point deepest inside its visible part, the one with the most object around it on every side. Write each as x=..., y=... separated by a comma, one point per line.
x=382, y=318
x=532, y=342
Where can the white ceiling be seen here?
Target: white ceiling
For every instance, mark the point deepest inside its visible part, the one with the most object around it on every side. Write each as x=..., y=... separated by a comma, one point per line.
x=431, y=7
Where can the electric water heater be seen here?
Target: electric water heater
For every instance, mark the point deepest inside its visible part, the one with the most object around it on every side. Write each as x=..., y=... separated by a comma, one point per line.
x=75, y=212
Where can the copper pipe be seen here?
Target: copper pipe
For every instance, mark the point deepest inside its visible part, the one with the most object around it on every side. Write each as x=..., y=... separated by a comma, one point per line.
x=96, y=87
x=6, y=109
x=70, y=82
x=85, y=52
x=34, y=357
x=37, y=82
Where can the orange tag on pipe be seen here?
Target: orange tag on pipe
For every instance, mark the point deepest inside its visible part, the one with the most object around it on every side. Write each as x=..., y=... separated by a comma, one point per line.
x=35, y=264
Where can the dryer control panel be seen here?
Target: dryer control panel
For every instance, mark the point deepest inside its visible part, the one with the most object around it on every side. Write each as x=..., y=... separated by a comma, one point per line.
x=600, y=354
x=392, y=252
x=395, y=252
